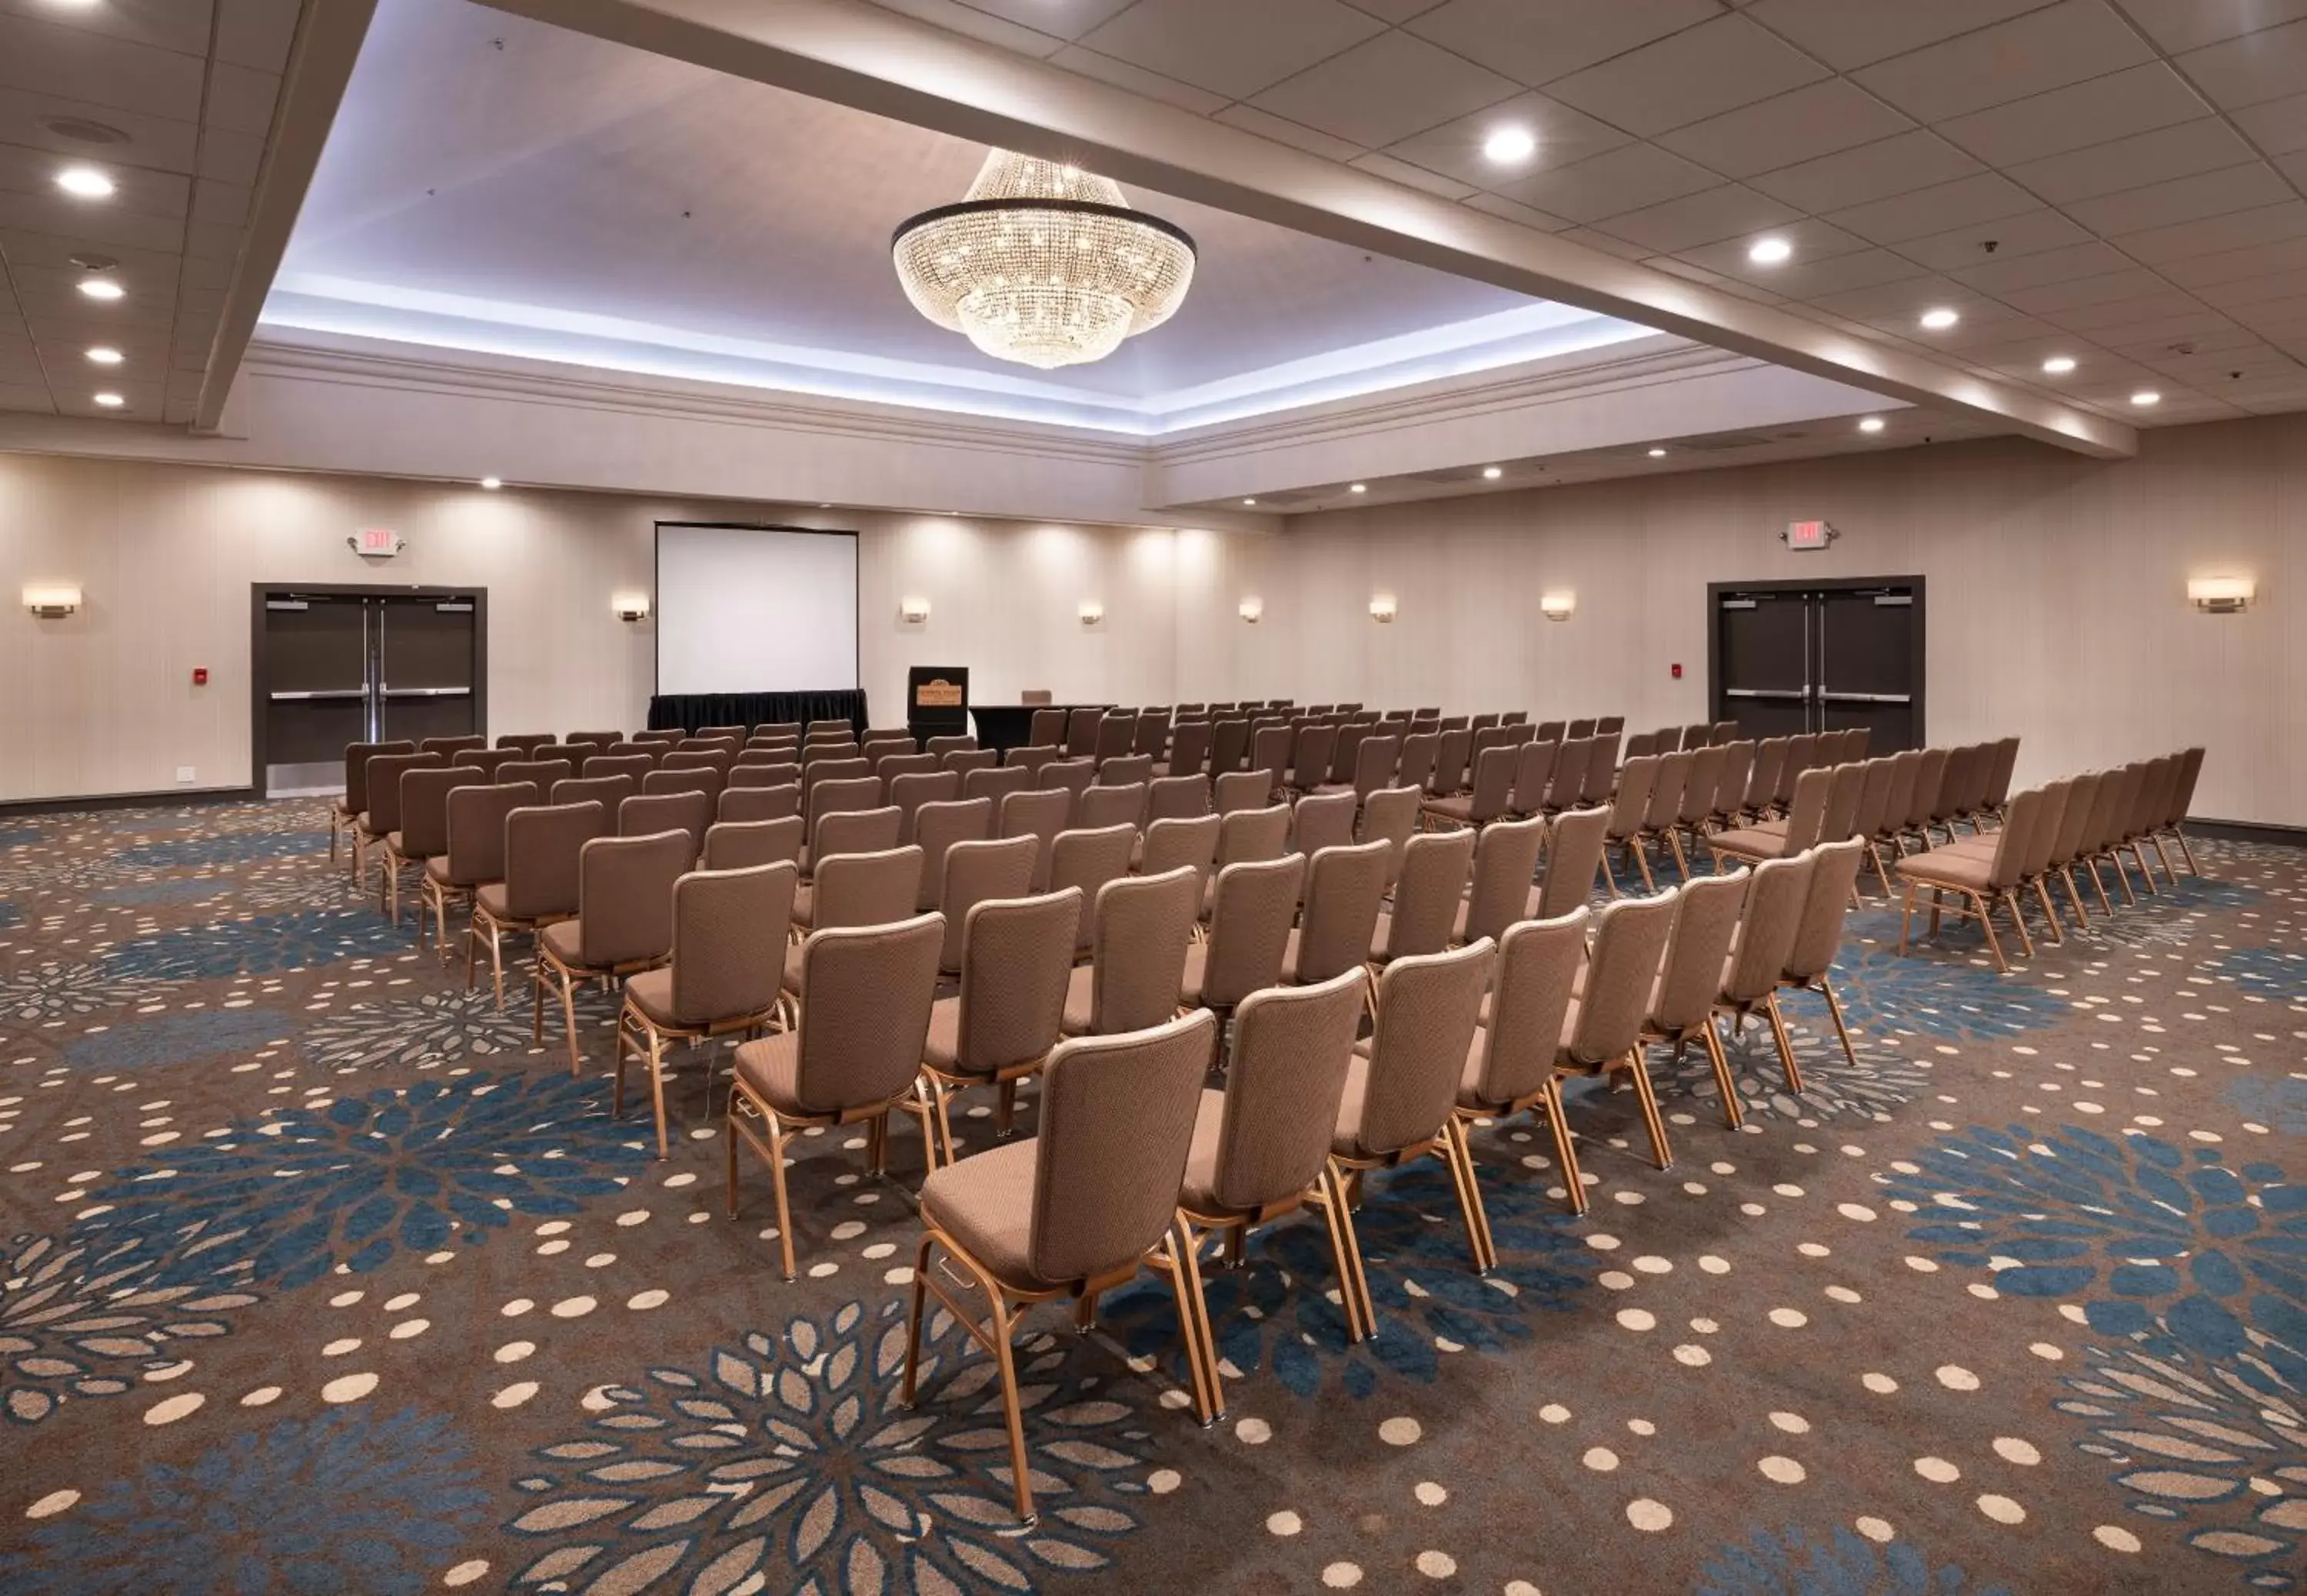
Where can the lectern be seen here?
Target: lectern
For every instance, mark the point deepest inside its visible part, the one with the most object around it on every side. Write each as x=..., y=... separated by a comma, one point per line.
x=936, y=701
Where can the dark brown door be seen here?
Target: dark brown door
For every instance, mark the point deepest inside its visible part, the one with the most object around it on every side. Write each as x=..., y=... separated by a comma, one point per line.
x=426, y=667
x=1865, y=666
x=1794, y=657
x=1763, y=671
x=316, y=651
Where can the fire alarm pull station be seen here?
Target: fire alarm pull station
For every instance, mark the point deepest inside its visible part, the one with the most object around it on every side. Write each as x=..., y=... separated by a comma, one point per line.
x=199, y=676
x=1677, y=668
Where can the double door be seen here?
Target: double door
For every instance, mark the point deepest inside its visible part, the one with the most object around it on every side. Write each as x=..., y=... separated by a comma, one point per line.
x=1796, y=657
x=339, y=666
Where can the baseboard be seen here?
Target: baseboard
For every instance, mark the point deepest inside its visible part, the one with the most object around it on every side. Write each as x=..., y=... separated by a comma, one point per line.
x=2248, y=831
x=128, y=800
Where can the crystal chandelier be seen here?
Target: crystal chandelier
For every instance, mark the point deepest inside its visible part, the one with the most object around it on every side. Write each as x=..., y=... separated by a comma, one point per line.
x=1043, y=264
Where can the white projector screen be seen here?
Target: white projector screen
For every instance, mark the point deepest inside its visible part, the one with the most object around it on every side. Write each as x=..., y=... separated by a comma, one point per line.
x=755, y=610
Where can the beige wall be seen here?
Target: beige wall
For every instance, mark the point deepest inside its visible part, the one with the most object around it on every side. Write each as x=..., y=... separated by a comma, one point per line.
x=2056, y=603
x=166, y=555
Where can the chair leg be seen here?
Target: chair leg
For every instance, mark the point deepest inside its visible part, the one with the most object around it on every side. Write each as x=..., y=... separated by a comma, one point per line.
x=1608, y=880
x=1986, y=924
x=1565, y=1151
x=2074, y=897
x=1834, y=1009
x=2098, y=886
x=1643, y=862
x=1906, y=918
x=1006, y=1355
x=2145, y=871
x=2164, y=854
x=1328, y=1200
x=1681, y=861
x=2186, y=848
x=1652, y=1121
x=1193, y=1322
x=569, y=1018
x=907, y=1389
x=2026, y=937
x=1785, y=1043
x=1356, y=1282
x=536, y=1000
x=2050, y=913
x=784, y=1200
x=1005, y=1110
x=656, y=1091
x=473, y=948
x=1470, y=1196
x=1734, y=1112
x=729, y=1135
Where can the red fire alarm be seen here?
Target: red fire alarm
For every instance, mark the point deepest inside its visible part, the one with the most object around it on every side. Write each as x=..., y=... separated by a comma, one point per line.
x=199, y=676
x=1677, y=668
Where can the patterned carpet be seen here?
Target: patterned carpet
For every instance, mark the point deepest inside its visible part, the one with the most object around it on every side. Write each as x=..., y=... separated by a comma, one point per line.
x=319, y=1278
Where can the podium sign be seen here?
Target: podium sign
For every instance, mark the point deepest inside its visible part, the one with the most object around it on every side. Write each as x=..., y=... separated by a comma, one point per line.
x=936, y=701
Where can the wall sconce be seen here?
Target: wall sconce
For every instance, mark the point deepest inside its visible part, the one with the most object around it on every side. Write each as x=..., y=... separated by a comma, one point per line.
x=2221, y=596
x=1382, y=609
x=631, y=606
x=1252, y=610
x=916, y=610
x=52, y=602
x=1557, y=606
x=1091, y=612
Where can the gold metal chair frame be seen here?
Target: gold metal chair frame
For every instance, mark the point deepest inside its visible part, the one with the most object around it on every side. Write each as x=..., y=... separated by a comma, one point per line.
x=634, y=1023
x=497, y=930
x=1447, y=1144
x=1976, y=906
x=941, y=1086
x=746, y=1103
x=1006, y=1301
x=570, y=976
x=1549, y=1096
x=437, y=897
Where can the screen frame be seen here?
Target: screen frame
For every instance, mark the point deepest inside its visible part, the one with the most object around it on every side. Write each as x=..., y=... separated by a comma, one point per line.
x=856, y=586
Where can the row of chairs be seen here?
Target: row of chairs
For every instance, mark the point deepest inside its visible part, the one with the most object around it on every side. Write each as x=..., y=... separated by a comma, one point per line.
x=2081, y=821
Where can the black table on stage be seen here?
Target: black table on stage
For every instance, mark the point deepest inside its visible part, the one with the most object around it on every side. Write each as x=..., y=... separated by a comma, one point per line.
x=690, y=710
x=1002, y=727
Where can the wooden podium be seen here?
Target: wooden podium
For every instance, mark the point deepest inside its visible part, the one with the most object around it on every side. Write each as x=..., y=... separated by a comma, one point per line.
x=936, y=701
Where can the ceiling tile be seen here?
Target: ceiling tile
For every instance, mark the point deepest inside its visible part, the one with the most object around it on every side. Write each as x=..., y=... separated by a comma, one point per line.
x=1228, y=47
x=2179, y=25
x=1966, y=200
x=1388, y=89
x=2279, y=126
x=1590, y=239
x=2258, y=66
x=111, y=231
x=1617, y=181
x=220, y=202
x=2271, y=313
x=1138, y=80
x=1811, y=240
x=2182, y=199
x=2045, y=49
x=2233, y=266
x=178, y=25
x=2020, y=235
x=1851, y=33
x=1396, y=12
x=1537, y=44
x=1800, y=126
x=2200, y=329
x=1730, y=212
x=1810, y=279
x=2113, y=106
x=1698, y=72
x=973, y=22
x=1908, y=297
x=241, y=99
x=2293, y=166
x=1059, y=19
x=1455, y=148
x=2203, y=145
x=1893, y=166
x=256, y=33
x=1251, y=119
x=2259, y=290
x=231, y=158
x=2128, y=283
x=2092, y=259
x=45, y=58
x=1379, y=165
x=2109, y=317
x=2269, y=223
x=1498, y=205
x=157, y=143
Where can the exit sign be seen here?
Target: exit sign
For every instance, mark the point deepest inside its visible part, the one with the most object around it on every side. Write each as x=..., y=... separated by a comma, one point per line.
x=375, y=542
x=1808, y=534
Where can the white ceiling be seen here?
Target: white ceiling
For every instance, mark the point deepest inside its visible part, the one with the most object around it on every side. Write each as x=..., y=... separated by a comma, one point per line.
x=2137, y=166
x=188, y=87
x=507, y=187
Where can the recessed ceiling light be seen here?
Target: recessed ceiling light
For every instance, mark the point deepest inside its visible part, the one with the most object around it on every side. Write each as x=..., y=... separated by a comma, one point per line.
x=85, y=182
x=1491, y=473
x=2058, y=365
x=1769, y=251
x=2146, y=396
x=1359, y=488
x=105, y=356
x=1509, y=146
x=1872, y=423
x=1658, y=454
x=1249, y=501
x=102, y=288
x=492, y=482
x=1940, y=319
x=110, y=401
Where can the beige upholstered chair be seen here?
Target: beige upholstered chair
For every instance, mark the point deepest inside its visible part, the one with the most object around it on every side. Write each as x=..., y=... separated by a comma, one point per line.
x=382, y=818
x=1086, y=860
x=1510, y=1069
x=908, y=793
x=856, y=888
x=1261, y=1146
x=855, y=830
x=1041, y=814
x=780, y=802
x=608, y=791
x=1567, y=782
x=1505, y=864
x=651, y=812
x=344, y=812
x=1730, y=785
x=1075, y=1211
x=474, y=855
x=1662, y=815
x=1344, y=887
x=1804, y=820
x=1575, y=843
x=1017, y=954
x=1533, y=776
x=1105, y=806
x=1451, y=756
x=721, y=975
x=1035, y=757
x=1047, y=727
x=1980, y=880
x=1237, y=791
x=962, y=761
x=1930, y=776
x=1178, y=798
x=1170, y=843
x=980, y=871
x=1319, y=821
x=1602, y=1033
x=1400, y=1094
x=623, y=924
x=1768, y=924
x=996, y=783
x=706, y=781
x=1628, y=811
x=1125, y=770
x=1494, y=768
x=540, y=884
x=937, y=827
x=447, y=747
x=1254, y=903
x=547, y=774
x=848, y=795
x=1681, y=1004
x=1810, y=959
x=1071, y=776
x=1429, y=897
x=741, y=844
x=1139, y=931
x=937, y=747
x=423, y=833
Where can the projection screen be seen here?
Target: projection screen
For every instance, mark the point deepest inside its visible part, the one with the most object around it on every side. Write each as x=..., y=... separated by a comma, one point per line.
x=755, y=610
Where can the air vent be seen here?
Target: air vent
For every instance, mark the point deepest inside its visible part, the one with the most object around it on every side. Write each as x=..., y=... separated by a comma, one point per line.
x=89, y=261
x=82, y=130
x=1726, y=441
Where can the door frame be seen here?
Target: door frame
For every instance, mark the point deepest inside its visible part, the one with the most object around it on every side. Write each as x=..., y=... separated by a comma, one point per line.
x=260, y=675
x=1716, y=703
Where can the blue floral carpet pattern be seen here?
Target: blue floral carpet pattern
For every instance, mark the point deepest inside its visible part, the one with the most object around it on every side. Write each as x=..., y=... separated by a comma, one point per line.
x=320, y=1273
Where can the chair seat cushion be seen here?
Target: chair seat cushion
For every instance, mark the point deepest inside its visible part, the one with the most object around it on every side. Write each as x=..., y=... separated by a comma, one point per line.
x=436, y=870
x=492, y=897
x=1198, y=956
x=1080, y=988
x=565, y=941
x=651, y=992
x=1950, y=866
x=1345, y=1139
x=985, y=1202
x=771, y=1067
x=942, y=1049
x=804, y=909
x=1197, y=1188
x=1750, y=842
x=793, y=968
x=1458, y=807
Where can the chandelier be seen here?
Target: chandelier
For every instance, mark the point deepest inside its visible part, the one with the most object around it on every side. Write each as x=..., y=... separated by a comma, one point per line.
x=1043, y=264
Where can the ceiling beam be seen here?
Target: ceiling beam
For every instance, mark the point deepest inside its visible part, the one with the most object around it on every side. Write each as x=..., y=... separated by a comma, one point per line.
x=329, y=36
x=860, y=56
